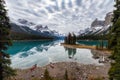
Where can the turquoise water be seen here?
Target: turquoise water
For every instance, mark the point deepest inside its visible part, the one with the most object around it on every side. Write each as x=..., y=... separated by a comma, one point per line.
x=92, y=43
x=21, y=46
x=25, y=54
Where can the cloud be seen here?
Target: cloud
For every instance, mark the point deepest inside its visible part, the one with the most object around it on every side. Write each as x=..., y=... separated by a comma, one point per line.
x=62, y=15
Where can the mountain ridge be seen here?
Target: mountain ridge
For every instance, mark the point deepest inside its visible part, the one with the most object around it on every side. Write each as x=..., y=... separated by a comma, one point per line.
x=98, y=27
x=22, y=31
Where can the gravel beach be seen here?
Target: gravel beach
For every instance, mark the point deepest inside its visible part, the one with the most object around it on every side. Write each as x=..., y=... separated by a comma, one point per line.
x=75, y=70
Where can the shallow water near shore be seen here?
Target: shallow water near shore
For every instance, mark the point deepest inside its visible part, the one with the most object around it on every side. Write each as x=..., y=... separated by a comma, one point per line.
x=25, y=54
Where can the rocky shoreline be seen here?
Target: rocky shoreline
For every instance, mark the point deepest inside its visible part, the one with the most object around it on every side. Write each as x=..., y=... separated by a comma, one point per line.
x=76, y=71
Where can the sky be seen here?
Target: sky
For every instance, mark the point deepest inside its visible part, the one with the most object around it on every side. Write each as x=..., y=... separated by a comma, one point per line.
x=60, y=15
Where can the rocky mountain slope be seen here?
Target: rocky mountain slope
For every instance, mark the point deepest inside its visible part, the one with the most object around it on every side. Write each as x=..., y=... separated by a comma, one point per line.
x=98, y=27
x=23, y=28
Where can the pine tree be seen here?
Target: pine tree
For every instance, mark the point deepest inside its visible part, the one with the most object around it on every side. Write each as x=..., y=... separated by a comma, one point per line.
x=114, y=43
x=66, y=75
x=115, y=69
x=66, y=40
x=69, y=38
x=74, y=38
x=47, y=75
x=116, y=14
x=5, y=69
x=101, y=44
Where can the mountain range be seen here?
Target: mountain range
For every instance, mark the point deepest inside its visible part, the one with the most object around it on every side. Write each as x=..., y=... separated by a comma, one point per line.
x=98, y=27
x=28, y=30
x=22, y=30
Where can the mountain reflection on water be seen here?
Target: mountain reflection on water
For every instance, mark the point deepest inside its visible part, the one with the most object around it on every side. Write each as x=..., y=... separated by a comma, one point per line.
x=23, y=46
x=24, y=54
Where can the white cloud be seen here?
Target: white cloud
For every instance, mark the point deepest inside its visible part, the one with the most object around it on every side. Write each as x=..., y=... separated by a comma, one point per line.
x=62, y=15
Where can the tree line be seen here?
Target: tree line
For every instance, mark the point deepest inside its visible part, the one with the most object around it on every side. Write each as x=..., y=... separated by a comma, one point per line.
x=93, y=37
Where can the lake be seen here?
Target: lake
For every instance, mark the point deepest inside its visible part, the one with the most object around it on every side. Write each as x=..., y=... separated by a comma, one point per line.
x=25, y=54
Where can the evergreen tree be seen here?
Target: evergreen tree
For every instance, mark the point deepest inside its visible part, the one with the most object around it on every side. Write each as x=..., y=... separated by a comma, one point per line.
x=69, y=38
x=116, y=13
x=66, y=75
x=115, y=69
x=74, y=38
x=101, y=44
x=114, y=43
x=66, y=40
x=5, y=69
x=47, y=75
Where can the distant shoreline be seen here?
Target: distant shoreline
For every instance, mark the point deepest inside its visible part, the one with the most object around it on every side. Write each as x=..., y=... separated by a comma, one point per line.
x=34, y=40
x=90, y=40
x=78, y=46
x=85, y=47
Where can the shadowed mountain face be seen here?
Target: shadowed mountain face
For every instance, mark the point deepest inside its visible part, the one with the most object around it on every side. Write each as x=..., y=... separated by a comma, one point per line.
x=22, y=29
x=25, y=33
x=40, y=32
x=59, y=15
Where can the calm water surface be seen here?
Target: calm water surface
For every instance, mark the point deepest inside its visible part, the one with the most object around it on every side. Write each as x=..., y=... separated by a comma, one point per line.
x=25, y=54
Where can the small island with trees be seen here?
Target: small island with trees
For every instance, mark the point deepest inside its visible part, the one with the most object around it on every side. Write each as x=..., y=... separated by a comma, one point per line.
x=70, y=41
